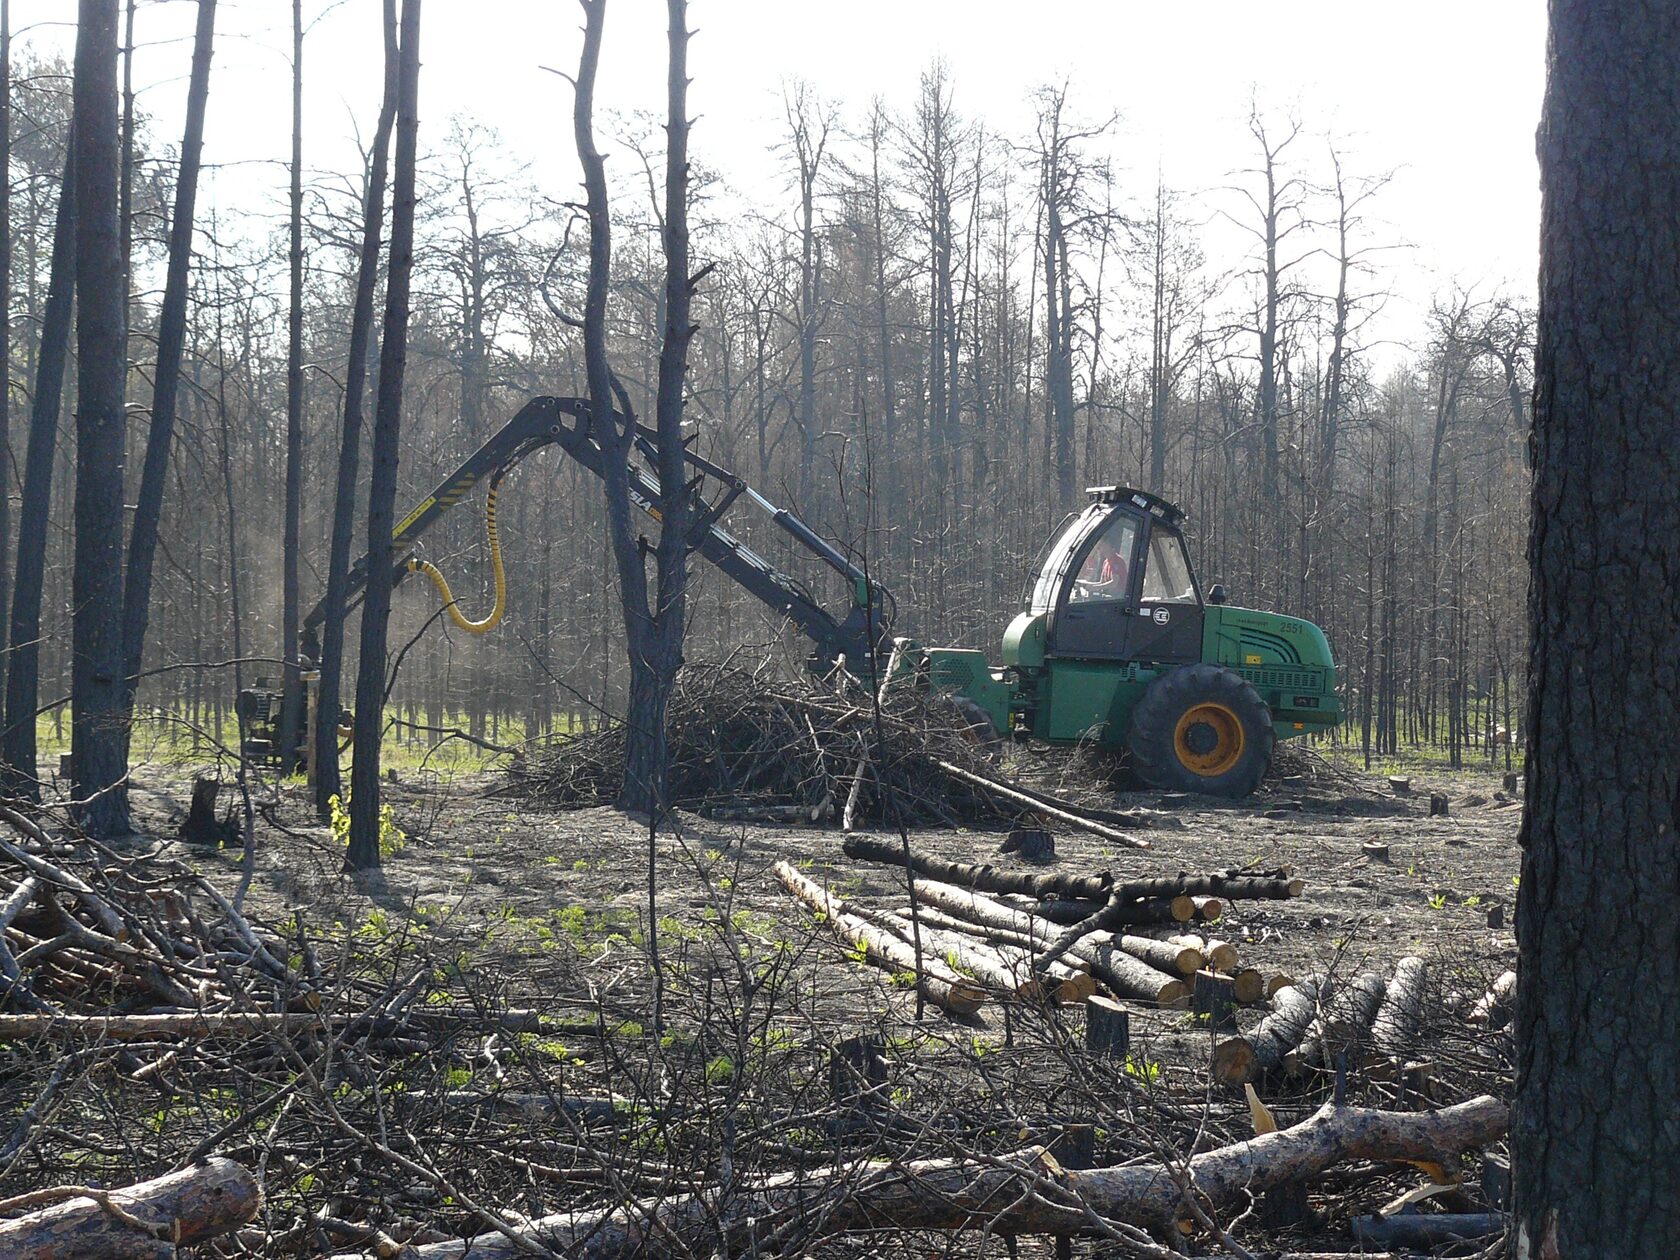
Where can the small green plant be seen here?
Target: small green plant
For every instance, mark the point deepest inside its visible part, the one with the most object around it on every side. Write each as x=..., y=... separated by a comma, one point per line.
x=1473, y=900
x=391, y=837
x=720, y=1069
x=1146, y=1070
x=1438, y=901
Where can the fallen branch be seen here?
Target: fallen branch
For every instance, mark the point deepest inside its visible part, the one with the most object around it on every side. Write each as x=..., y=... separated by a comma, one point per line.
x=1026, y=1194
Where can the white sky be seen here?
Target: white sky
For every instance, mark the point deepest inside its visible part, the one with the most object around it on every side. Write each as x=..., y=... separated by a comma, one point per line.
x=1445, y=93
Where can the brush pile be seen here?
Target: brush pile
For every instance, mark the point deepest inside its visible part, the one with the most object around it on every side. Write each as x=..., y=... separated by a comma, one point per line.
x=749, y=746
x=89, y=930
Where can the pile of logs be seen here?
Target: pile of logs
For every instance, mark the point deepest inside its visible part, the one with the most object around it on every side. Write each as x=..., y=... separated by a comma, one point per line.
x=84, y=929
x=745, y=747
x=977, y=932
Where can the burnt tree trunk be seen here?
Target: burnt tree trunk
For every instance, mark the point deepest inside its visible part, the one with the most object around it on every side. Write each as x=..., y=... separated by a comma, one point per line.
x=1595, y=1146
x=98, y=741
x=23, y=662
x=363, y=852
x=291, y=712
x=172, y=332
x=328, y=695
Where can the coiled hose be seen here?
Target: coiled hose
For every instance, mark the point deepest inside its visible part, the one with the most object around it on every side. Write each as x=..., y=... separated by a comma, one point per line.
x=417, y=565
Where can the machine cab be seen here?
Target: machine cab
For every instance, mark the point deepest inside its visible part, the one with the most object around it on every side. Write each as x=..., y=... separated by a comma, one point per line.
x=1115, y=583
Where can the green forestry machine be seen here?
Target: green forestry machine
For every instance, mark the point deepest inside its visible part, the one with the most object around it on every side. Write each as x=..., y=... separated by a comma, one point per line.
x=1115, y=646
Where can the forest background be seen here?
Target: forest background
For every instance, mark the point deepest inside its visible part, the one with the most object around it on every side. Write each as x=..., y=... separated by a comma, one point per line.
x=959, y=274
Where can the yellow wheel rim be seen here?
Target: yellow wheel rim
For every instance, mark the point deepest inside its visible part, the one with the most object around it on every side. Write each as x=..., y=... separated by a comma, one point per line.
x=1208, y=739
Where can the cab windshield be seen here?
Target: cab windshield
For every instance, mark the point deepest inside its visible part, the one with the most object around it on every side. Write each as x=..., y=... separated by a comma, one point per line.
x=1106, y=572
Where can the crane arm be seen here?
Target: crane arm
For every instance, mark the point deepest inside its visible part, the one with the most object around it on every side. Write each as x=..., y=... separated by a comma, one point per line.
x=566, y=422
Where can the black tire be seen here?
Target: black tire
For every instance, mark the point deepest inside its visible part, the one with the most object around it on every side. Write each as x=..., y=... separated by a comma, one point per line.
x=980, y=729
x=1202, y=728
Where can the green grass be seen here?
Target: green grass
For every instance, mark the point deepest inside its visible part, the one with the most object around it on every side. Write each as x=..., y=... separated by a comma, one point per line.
x=168, y=739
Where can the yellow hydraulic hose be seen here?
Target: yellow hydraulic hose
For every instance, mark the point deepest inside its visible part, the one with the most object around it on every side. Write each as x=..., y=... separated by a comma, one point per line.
x=417, y=565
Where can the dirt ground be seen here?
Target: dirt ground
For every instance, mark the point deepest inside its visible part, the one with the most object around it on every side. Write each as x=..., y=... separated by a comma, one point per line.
x=475, y=854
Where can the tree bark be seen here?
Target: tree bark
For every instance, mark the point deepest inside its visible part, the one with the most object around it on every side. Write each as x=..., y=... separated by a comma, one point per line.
x=1264, y=1048
x=328, y=694
x=98, y=722
x=1595, y=1150
x=363, y=852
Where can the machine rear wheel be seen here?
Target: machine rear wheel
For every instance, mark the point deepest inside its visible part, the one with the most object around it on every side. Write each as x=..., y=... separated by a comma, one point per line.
x=1201, y=728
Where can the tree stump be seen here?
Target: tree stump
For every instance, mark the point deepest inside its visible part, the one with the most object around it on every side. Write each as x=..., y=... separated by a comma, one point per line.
x=1511, y=782
x=1215, y=996
x=1402, y=786
x=856, y=1071
x=201, y=825
x=1108, y=1027
x=1439, y=807
x=1031, y=844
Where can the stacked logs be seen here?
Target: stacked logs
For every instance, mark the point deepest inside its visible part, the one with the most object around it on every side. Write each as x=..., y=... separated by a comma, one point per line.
x=1037, y=936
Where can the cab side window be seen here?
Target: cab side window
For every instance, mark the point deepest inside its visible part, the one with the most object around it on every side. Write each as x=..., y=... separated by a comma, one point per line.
x=1166, y=576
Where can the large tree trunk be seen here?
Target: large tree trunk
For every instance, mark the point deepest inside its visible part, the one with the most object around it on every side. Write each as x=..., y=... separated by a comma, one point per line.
x=166, y=381
x=328, y=695
x=363, y=852
x=98, y=722
x=1595, y=1145
x=23, y=672
x=1027, y=1194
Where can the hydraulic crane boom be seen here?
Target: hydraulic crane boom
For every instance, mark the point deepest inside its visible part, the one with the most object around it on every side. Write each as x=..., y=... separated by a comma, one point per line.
x=860, y=633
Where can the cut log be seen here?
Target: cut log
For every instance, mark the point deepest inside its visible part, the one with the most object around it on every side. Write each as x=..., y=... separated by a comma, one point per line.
x=1279, y=981
x=1006, y=969
x=1182, y=960
x=1344, y=1021
x=937, y=982
x=203, y=1201
x=1493, y=1008
x=1262, y=1051
x=1233, y=885
x=1426, y=1229
x=1400, y=1017
x=1222, y=956
x=1248, y=986
x=980, y=875
x=1208, y=909
x=996, y=1195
